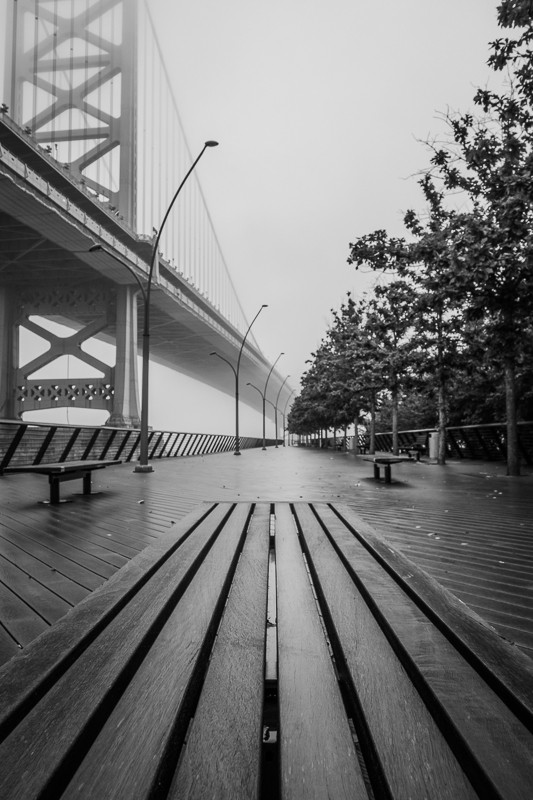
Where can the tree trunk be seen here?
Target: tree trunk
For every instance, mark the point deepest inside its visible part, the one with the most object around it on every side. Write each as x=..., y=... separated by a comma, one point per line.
x=513, y=456
x=345, y=444
x=395, y=442
x=356, y=431
x=441, y=401
x=441, y=394
x=372, y=443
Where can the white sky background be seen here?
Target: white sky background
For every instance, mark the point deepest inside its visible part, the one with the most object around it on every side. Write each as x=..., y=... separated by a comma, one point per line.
x=317, y=105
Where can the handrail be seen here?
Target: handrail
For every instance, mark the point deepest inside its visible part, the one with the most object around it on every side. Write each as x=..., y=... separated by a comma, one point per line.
x=28, y=443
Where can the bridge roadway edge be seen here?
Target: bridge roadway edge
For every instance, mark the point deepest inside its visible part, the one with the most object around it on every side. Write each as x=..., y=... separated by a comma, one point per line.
x=185, y=327
x=468, y=525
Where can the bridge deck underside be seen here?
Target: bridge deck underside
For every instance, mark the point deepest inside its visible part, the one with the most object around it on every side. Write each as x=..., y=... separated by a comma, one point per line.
x=38, y=245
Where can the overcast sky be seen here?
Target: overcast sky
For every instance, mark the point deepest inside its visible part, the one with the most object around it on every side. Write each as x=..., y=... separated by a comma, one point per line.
x=319, y=107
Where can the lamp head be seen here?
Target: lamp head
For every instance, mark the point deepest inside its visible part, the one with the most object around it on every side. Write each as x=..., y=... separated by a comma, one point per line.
x=95, y=247
x=211, y=143
x=213, y=353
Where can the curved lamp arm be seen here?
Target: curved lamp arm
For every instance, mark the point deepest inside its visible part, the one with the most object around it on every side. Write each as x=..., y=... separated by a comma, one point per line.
x=271, y=370
x=257, y=390
x=281, y=387
x=246, y=335
x=169, y=209
x=214, y=353
x=100, y=247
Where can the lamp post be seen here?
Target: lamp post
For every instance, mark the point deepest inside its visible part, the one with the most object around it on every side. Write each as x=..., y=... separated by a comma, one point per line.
x=276, y=412
x=263, y=395
x=263, y=399
x=236, y=373
x=143, y=465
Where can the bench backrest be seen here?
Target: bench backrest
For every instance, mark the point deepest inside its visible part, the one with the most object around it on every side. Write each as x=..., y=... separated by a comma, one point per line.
x=156, y=684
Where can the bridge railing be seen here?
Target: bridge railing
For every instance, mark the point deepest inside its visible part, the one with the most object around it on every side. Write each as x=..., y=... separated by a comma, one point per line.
x=484, y=442
x=25, y=443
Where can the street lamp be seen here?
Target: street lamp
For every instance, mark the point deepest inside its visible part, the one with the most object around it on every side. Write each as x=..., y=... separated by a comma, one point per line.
x=263, y=395
x=276, y=411
x=236, y=373
x=143, y=465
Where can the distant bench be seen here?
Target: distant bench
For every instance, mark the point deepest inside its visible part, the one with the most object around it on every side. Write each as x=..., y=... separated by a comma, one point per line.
x=157, y=684
x=387, y=462
x=64, y=471
x=417, y=447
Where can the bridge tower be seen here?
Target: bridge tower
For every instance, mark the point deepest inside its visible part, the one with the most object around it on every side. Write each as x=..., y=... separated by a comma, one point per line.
x=71, y=83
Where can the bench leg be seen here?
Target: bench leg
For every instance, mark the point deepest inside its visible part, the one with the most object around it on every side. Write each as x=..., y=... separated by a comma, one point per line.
x=54, y=490
x=55, y=500
x=87, y=483
x=388, y=473
x=376, y=472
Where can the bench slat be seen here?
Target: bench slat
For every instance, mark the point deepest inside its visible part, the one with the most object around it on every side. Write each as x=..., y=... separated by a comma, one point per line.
x=504, y=666
x=498, y=758
x=146, y=728
x=317, y=752
x=228, y=719
x=404, y=735
x=63, y=467
x=56, y=725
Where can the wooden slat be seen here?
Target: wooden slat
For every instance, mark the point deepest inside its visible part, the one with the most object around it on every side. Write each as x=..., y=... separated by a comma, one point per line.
x=498, y=758
x=504, y=667
x=317, y=752
x=35, y=594
x=34, y=568
x=145, y=737
x=54, y=561
x=229, y=716
x=403, y=737
x=8, y=646
x=22, y=622
x=24, y=681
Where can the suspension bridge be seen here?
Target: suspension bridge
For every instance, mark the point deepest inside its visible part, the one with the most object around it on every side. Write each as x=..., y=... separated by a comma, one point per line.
x=92, y=149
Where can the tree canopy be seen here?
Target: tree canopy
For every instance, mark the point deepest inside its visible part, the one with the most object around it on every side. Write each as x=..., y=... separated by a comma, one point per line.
x=449, y=324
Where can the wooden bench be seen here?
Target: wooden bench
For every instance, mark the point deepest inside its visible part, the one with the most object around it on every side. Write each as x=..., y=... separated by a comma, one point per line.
x=155, y=686
x=417, y=447
x=386, y=462
x=64, y=471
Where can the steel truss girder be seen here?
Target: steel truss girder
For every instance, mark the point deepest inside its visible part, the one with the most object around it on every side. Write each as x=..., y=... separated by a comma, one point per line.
x=33, y=64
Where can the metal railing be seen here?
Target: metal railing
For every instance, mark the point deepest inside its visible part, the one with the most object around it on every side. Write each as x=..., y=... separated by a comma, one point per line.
x=25, y=443
x=483, y=442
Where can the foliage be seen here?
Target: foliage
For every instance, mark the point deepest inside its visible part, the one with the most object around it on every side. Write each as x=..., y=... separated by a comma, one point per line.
x=450, y=325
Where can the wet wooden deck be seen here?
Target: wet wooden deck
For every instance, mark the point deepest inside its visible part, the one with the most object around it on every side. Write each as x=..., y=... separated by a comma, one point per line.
x=468, y=525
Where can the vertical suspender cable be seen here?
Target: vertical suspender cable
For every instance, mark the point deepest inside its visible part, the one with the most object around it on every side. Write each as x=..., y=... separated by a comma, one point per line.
x=35, y=61
x=70, y=81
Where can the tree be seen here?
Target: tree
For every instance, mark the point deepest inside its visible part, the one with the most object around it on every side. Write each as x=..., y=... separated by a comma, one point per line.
x=492, y=245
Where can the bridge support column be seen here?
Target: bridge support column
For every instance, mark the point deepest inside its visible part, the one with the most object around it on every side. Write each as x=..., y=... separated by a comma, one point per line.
x=9, y=352
x=126, y=398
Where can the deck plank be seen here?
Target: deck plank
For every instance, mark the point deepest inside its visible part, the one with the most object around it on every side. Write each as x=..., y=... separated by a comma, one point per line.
x=317, y=752
x=228, y=718
x=405, y=737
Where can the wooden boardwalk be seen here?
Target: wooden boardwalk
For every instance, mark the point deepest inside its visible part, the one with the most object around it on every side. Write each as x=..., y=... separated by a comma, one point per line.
x=467, y=524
